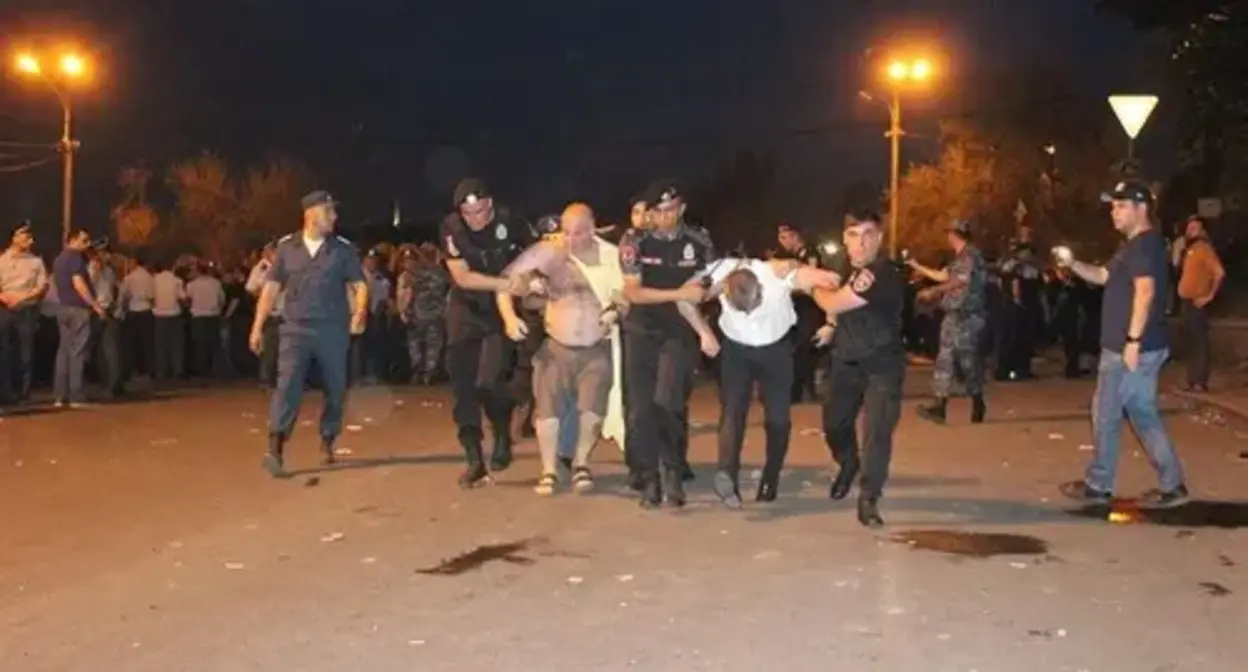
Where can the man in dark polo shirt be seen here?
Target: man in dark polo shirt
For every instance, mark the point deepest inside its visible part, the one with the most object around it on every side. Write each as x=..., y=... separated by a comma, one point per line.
x=1133, y=350
x=73, y=318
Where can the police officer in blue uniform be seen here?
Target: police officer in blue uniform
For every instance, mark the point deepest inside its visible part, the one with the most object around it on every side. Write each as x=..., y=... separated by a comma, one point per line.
x=867, y=366
x=661, y=266
x=479, y=240
x=316, y=269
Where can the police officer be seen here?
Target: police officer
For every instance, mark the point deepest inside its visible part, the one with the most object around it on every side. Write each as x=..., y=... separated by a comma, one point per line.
x=809, y=317
x=961, y=291
x=312, y=267
x=867, y=365
x=23, y=282
x=479, y=240
x=422, y=289
x=659, y=264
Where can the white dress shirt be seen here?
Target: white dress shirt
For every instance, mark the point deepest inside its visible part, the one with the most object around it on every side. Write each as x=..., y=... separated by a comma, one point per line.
x=138, y=289
x=255, y=284
x=169, y=295
x=773, y=318
x=206, y=295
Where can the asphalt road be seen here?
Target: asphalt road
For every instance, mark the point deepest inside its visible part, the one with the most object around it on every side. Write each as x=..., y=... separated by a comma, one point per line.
x=146, y=537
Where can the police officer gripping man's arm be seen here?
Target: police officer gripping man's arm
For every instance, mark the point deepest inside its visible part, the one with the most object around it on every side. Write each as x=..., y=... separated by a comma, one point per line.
x=479, y=240
x=867, y=365
x=660, y=265
x=312, y=267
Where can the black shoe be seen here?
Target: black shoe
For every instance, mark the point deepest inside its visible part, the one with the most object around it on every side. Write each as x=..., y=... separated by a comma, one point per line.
x=474, y=476
x=768, y=487
x=686, y=473
x=674, y=488
x=935, y=412
x=1080, y=492
x=844, y=480
x=978, y=410
x=327, y=450
x=636, y=482
x=869, y=512
x=273, y=462
x=500, y=457
x=1168, y=499
x=726, y=488
x=651, y=492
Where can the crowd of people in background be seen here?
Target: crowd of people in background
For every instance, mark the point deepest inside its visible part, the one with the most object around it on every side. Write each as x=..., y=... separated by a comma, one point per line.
x=167, y=322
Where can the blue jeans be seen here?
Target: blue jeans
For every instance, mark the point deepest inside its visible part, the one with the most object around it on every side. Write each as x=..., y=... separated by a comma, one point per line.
x=1118, y=390
x=74, y=325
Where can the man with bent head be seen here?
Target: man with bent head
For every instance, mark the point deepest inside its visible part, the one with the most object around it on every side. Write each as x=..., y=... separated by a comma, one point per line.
x=583, y=280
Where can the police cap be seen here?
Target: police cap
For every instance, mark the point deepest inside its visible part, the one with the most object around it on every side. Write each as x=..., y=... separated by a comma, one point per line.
x=469, y=191
x=317, y=198
x=662, y=194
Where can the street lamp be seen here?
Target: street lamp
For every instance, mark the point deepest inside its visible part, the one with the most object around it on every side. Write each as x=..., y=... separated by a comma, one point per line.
x=1133, y=112
x=71, y=68
x=899, y=74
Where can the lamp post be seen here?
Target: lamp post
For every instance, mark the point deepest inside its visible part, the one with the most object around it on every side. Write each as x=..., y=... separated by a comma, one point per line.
x=70, y=68
x=1132, y=112
x=899, y=73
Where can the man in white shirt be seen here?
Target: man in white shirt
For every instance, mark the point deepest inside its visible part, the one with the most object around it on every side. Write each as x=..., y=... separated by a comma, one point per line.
x=138, y=330
x=23, y=283
x=374, y=340
x=207, y=299
x=170, y=334
x=268, y=351
x=106, y=328
x=756, y=316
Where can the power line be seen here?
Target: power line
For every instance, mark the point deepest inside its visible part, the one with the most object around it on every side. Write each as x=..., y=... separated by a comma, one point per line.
x=27, y=166
x=28, y=145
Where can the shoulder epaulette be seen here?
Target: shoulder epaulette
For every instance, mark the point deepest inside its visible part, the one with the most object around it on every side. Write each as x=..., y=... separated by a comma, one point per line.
x=286, y=238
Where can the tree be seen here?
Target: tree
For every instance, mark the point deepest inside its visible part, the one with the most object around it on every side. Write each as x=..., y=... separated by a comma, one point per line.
x=269, y=201
x=134, y=220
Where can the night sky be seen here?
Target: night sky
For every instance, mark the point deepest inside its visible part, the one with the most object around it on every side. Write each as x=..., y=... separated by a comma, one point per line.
x=547, y=99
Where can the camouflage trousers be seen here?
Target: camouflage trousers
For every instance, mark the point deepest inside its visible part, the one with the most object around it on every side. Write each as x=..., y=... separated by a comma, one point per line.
x=425, y=342
x=959, y=351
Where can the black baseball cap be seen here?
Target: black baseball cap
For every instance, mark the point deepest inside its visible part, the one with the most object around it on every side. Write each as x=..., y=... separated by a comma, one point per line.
x=662, y=193
x=470, y=190
x=959, y=226
x=1130, y=190
x=317, y=198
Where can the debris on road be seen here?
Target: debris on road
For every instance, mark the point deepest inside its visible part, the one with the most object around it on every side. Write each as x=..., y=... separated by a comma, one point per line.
x=1056, y=437
x=343, y=452
x=415, y=642
x=235, y=566
x=312, y=482
x=164, y=442
x=624, y=578
x=1214, y=589
x=575, y=580
x=811, y=431
x=333, y=536
x=368, y=561
x=1085, y=447
x=354, y=428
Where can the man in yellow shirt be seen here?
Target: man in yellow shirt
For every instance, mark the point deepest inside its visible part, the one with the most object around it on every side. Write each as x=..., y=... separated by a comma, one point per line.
x=1200, y=277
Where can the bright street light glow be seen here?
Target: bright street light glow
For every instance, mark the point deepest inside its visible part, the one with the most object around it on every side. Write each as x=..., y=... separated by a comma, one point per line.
x=830, y=248
x=1133, y=112
x=27, y=64
x=73, y=65
x=920, y=69
x=898, y=71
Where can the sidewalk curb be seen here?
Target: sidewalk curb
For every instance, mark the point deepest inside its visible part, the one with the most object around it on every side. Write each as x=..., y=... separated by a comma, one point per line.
x=1211, y=400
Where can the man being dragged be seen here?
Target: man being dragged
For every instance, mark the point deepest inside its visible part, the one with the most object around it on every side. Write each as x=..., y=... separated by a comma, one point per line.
x=575, y=364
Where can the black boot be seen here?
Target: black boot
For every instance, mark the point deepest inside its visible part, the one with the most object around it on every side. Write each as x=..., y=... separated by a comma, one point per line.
x=674, y=488
x=500, y=456
x=935, y=412
x=651, y=491
x=475, y=474
x=844, y=480
x=327, y=450
x=273, y=459
x=978, y=410
x=869, y=512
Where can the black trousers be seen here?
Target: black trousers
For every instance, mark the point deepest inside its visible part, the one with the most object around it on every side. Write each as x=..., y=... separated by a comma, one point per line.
x=477, y=365
x=138, y=333
x=659, y=379
x=205, y=342
x=268, y=350
x=17, y=352
x=170, y=347
x=1196, y=324
x=804, y=352
x=106, y=348
x=740, y=367
x=874, y=386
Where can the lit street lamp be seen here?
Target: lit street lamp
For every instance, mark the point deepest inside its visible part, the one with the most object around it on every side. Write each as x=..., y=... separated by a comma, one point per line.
x=900, y=73
x=70, y=69
x=1132, y=112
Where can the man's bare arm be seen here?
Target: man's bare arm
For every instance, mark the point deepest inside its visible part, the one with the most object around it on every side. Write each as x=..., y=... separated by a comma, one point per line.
x=693, y=316
x=264, y=305
x=1145, y=292
x=359, y=289
x=939, y=276
x=1096, y=275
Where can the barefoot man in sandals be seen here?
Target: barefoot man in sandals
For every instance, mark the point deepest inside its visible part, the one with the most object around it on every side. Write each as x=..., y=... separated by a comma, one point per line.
x=577, y=363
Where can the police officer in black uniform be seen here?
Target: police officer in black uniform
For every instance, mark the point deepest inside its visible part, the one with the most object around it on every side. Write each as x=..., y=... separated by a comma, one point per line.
x=867, y=365
x=809, y=317
x=479, y=240
x=659, y=264
x=316, y=269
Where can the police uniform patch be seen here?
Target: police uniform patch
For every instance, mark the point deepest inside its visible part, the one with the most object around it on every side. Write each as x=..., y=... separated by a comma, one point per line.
x=863, y=280
x=501, y=232
x=628, y=253
x=450, y=246
x=688, y=251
